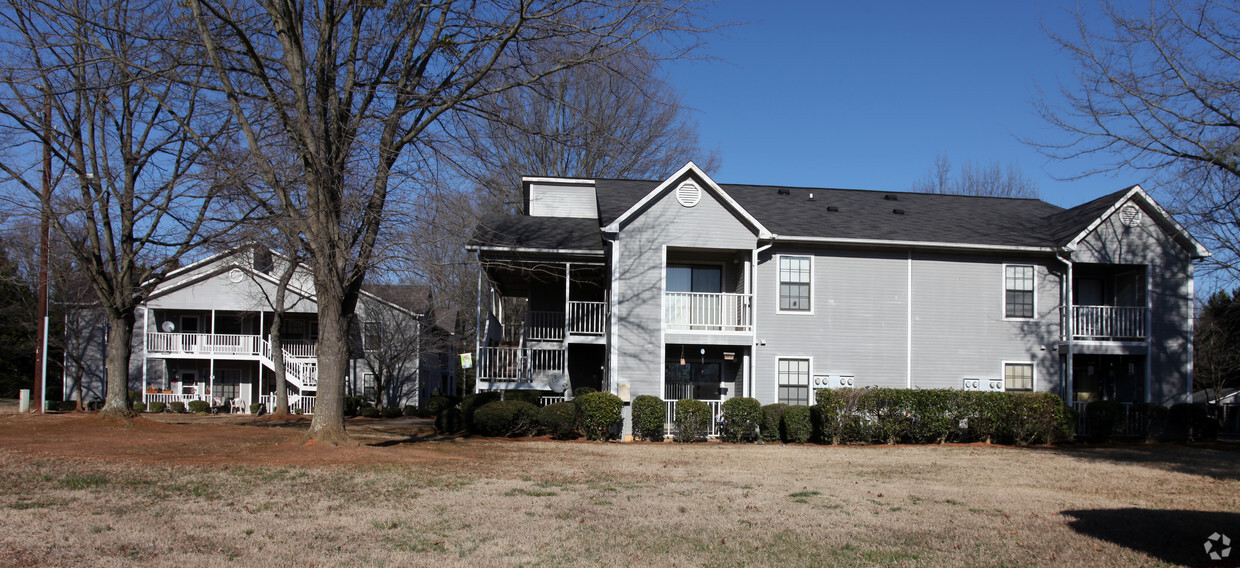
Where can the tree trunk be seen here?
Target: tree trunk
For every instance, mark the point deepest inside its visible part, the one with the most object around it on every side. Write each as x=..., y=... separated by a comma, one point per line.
x=277, y=359
x=333, y=352
x=120, y=337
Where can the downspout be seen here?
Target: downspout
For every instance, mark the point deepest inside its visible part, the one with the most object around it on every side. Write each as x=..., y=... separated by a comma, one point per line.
x=613, y=288
x=1066, y=327
x=753, y=314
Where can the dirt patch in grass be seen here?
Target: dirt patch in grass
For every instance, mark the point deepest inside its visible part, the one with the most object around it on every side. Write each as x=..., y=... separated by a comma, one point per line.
x=207, y=491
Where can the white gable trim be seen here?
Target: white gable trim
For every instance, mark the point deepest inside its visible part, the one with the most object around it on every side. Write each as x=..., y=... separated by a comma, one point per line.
x=719, y=193
x=1135, y=192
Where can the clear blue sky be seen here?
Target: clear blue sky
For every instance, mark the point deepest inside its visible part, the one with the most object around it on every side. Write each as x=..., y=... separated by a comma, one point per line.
x=866, y=94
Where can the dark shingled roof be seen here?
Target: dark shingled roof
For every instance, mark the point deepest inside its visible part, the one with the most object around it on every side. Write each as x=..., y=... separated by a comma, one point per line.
x=1070, y=223
x=521, y=231
x=858, y=214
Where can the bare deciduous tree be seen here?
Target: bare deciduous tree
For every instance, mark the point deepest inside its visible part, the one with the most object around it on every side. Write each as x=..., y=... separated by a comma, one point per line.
x=131, y=201
x=1155, y=90
x=390, y=344
x=355, y=91
x=614, y=118
x=991, y=180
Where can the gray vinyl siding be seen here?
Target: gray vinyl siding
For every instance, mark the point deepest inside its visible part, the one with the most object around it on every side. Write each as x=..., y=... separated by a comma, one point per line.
x=959, y=328
x=637, y=291
x=218, y=292
x=1169, y=276
x=858, y=325
x=553, y=200
x=861, y=314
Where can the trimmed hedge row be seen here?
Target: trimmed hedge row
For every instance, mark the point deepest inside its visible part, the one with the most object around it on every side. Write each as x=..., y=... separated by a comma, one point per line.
x=933, y=416
x=592, y=414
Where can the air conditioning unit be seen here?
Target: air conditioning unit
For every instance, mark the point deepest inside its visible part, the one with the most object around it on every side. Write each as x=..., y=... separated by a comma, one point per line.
x=834, y=381
x=980, y=384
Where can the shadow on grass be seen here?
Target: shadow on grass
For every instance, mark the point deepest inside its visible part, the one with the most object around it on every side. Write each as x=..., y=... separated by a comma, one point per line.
x=1218, y=460
x=416, y=439
x=1175, y=537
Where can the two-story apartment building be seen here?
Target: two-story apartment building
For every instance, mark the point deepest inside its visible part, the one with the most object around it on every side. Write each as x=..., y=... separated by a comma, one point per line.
x=204, y=334
x=685, y=288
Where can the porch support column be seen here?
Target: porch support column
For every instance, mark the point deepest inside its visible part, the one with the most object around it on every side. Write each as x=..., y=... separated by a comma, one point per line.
x=146, y=321
x=211, y=376
x=745, y=386
x=479, y=329
x=568, y=274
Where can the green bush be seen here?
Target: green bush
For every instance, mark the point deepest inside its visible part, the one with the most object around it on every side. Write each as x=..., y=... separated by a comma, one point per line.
x=559, y=420
x=254, y=408
x=353, y=405
x=771, y=414
x=582, y=391
x=692, y=420
x=1192, y=422
x=1152, y=420
x=835, y=418
x=649, y=418
x=177, y=406
x=531, y=396
x=139, y=407
x=473, y=402
x=796, y=425
x=156, y=406
x=197, y=406
x=506, y=418
x=436, y=404
x=742, y=419
x=410, y=410
x=1040, y=417
x=1104, y=419
x=298, y=411
x=66, y=405
x=369, y=412
x=391, y=412
x=600, y=411
x=449, y=421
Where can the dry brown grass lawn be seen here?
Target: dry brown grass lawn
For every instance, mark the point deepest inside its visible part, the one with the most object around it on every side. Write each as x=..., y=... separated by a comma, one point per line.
x=220, y=491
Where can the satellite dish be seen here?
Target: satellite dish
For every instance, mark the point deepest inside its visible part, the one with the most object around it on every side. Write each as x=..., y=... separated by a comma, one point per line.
x=169, y=327
x=557, y=382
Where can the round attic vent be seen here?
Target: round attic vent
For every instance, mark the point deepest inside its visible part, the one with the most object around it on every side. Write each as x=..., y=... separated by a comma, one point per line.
x=1130, y=215
x=235, y=275
x=688, y=194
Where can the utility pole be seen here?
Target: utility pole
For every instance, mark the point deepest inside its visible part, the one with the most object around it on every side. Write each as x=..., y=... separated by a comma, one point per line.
x=40, y=373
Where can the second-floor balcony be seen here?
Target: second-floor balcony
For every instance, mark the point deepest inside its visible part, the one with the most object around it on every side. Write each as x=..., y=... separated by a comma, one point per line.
x=1106, y=323
x=584, y=318
x=707, y=311
x=221, y=344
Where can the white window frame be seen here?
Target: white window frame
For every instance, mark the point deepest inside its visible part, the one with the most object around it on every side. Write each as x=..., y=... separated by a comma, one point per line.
x=373, y=387
x=809, y=384
x=366, y=344
x=1003, y=303
x=1033, y=375
x=779, y=259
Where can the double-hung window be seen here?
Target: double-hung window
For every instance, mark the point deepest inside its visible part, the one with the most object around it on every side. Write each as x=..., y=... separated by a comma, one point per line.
x=795, y=275
x=1018, y=376
x=1018, y=291
x=794, y=381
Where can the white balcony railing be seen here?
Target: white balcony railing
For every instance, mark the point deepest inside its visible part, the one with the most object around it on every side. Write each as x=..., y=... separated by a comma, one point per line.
x=704, y=311
x=202, y=343
x=517, y=364
x=1106, y=322
x=716, y=415
x=545, y=325
x=587, y=318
